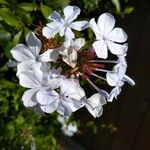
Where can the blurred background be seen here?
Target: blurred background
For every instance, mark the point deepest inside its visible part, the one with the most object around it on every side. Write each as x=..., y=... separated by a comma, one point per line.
x=125, y=123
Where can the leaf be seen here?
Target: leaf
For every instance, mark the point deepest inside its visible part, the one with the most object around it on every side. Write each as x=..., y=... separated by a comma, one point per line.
x=128, y=10
x=117, y=5
x=17, y=38
x=8, y=17
x=7, y=49
x=4, y=37
x=46, y=11
x=4, y=2
x=28, y=6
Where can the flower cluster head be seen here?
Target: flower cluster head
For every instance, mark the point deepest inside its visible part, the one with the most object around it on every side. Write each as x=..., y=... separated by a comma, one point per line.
x=57, y=72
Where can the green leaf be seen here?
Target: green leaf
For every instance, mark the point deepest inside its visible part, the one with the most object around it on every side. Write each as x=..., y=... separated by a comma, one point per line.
x=17, y=38
x=7, y=16
x=7, y=49
x=117, y=5
x=4, y=37
x=4, y=2
x=128, y=10
x=28, y=6
x=46, y=11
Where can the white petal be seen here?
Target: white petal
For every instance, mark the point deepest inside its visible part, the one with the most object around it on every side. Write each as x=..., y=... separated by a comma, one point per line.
x=34, y=42
x=71, y=13
x=78, y=43
x=49, y=108
x=79, y=25
x=100, y=48
x=95, y=29
x=25, y=65
x=116, y=49
x=129, y=80
x=71, y=59
x=47, y=97
x=55, y=16
x=29, y=98
x=114, y=93
x=112, y=78
x=106, y=23
x=22, y=53
x=72, y=89
x=49, y=55
x=27, y=79
x=94, y=104
x=69, y=34
x=51, y=29
x=117, y=35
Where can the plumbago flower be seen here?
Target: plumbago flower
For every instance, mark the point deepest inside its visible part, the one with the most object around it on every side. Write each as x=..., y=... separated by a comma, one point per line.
x=107, y=37
x=69, y=51
x=28, y=56
x=63, y=26
x=58, y=73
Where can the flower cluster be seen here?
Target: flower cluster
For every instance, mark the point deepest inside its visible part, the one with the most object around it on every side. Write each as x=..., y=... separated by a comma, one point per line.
x=54, y=71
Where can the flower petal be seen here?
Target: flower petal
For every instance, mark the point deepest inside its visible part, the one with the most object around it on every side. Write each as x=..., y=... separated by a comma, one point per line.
x=94, y=104
x=77, y=43
x=33, y=42
x=100, y=48
x=47, y=97
x=27, y=79
x=114, y=93
x=22, y=53
x=71, y=88
x=112, y=78
x=116, y=49
x=79, y=25
x=25, y=65
x=71, y=13
x=129, y=80
x=69, y=34
x=49, y=55
x=71, y=59
x=29, y=98
x=95, y=29
x=106, y=23
x=117, y=35
x=51, y=29
x=55, y=16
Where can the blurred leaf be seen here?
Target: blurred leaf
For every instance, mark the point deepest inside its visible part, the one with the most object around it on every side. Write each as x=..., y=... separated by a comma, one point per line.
x=4, y=2
x=46, y=11
x=28, y=6
x=4, y=37
x=8, y=17
x=7, y=49
x=117, y=5
x=128, y=10
x=17, y=38
x=26, y=31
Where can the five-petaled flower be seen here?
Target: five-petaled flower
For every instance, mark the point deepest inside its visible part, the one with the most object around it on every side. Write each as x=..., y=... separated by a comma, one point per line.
x=63, y=25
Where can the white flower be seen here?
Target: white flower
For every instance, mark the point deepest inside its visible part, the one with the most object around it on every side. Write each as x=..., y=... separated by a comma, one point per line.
x=107, y=36
x=67, y=129
x=94, y=105
x=28, y=56
x=68, y=99
x=70, y=129
x=69, y=51
x=63, y=26
x=118, y=77
x=37, y=80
